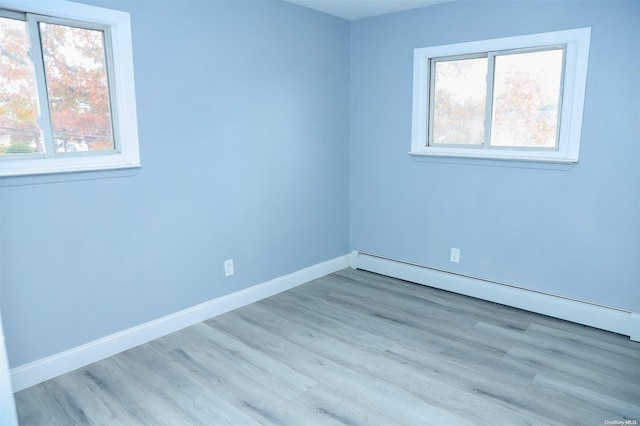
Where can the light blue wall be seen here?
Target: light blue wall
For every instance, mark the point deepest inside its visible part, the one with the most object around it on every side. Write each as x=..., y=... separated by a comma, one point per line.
x=243, y=122
x=571, y=231
x=251, y=151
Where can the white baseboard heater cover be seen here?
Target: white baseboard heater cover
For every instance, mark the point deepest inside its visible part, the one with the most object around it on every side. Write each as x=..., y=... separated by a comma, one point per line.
x=602, y=317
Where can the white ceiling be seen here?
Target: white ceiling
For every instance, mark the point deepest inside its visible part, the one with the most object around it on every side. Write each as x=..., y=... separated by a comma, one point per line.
x=357, y=9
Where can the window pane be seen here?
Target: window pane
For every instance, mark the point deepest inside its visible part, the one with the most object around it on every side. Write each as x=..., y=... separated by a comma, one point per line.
x=19, y=130
x=526, y=99
x=75, y=70
x=459, y=101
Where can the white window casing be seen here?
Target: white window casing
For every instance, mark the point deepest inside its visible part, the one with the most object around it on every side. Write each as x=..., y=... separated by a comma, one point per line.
x=118, y=46
x=576, y=44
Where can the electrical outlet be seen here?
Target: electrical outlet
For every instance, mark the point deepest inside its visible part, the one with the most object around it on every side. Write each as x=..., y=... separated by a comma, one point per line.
x=228, y=267
x=455, y=255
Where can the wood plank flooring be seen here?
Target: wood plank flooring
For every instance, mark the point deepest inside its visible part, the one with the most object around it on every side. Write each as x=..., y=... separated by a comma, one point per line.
x=356, y=348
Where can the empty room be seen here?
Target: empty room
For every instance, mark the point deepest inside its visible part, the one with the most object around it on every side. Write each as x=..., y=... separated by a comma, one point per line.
x=319, y=212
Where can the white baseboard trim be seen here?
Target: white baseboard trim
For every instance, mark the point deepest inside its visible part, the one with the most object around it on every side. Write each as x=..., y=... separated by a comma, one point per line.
x=610, y=319
x=47, y=368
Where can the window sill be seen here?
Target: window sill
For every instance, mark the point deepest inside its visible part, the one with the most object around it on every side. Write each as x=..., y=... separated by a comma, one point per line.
x=45, y=177
x=553, y=157
x=68, y=164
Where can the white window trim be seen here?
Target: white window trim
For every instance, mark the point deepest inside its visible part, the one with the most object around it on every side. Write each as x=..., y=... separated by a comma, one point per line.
x=125, y=117
x=575, y=79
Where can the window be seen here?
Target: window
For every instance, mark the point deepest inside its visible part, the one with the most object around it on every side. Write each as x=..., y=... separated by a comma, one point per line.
x=67, y=100
x=518, y=98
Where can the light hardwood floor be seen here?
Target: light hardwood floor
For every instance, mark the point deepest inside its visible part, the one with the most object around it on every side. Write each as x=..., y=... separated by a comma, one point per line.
x=356, y=348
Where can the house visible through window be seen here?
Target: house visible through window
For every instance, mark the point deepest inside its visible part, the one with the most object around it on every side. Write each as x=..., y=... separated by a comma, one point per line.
x=64, y=89
x=516, y=98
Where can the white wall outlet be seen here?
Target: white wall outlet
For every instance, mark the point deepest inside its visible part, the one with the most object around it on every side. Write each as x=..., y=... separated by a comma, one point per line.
x=455, y=255
x=228, y=267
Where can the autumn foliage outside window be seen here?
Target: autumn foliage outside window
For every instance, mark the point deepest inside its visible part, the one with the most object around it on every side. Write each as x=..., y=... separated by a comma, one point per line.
x=497, y=99
x=54, y=96
x=19, y=131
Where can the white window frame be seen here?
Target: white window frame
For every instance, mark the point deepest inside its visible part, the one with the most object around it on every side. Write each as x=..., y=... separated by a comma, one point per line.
x=576, y=44
x=124, y=116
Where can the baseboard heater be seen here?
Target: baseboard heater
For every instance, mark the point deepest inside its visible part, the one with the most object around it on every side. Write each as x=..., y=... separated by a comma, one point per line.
x=581, y=312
